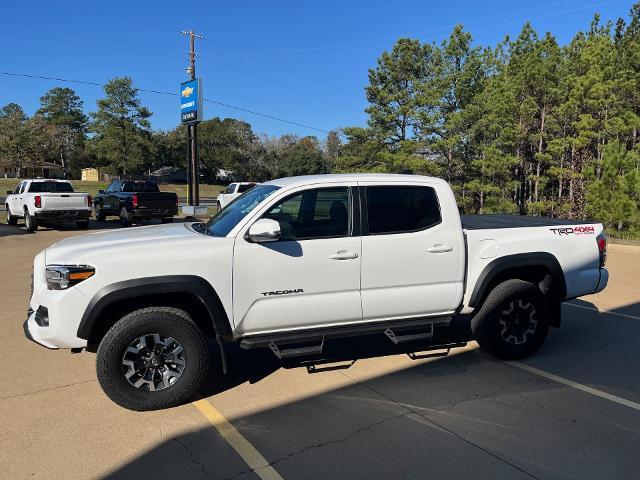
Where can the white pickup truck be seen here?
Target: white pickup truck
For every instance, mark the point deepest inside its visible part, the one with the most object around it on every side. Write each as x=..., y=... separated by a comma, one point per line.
x=297, y=262
x=233, y=191
x=45, y=202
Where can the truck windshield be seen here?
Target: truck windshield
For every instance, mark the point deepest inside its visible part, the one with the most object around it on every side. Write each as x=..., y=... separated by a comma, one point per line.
x=51, y=187
x=227, y=218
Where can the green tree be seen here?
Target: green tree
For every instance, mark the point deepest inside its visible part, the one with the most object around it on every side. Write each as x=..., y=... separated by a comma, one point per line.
x=62, y=108
x=13, y=136
x=121, y=127
x=614, y=198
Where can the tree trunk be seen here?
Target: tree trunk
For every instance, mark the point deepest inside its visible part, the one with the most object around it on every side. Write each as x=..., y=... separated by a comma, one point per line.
x=537, y=182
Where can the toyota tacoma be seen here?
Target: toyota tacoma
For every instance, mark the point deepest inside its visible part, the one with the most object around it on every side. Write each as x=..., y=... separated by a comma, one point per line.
x=296, y=263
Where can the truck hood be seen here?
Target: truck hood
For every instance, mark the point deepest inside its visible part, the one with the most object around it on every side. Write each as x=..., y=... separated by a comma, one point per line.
x=95, y=247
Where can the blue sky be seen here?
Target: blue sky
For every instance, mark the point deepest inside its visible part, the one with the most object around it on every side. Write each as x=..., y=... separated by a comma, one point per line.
x=299, y=60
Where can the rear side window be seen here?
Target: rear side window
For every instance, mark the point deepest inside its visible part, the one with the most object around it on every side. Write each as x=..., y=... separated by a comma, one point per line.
x=321, y=213
x=50, y=187
x=398, y=209
x=245, y=187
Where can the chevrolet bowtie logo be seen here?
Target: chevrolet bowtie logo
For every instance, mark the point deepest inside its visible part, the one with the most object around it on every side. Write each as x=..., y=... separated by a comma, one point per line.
x=187, y=92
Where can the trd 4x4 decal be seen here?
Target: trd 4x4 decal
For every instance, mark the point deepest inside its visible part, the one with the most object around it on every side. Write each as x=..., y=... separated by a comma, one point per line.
x=582, y=230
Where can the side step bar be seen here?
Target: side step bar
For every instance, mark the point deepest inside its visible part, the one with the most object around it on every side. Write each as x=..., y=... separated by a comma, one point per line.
x=425, y=324
x=283, y=353
x=409, y=337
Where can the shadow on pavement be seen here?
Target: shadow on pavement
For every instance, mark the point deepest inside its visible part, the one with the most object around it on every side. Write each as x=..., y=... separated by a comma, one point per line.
x=462, y=416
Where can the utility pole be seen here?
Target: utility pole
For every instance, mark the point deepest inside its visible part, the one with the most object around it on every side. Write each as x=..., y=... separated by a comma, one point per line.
x=193, y=170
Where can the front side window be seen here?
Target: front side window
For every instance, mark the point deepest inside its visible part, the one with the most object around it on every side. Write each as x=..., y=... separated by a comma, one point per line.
x=18, y=188
x=398, y=209
x=320, y=213
x=231, y=189
x=114, y=187
x=227, y=218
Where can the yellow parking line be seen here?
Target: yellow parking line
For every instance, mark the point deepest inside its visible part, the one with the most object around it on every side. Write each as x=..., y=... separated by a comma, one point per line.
x=576, y=385
x=241, y=445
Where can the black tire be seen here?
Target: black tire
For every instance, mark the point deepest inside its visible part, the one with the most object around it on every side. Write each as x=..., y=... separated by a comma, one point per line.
x=218, y=206
x=30, y=223
x=82, y=224
x=513, y=320
x=167, y=220
x=100, y=215
x=11, y=219
x=125, y=217
x=167, y=322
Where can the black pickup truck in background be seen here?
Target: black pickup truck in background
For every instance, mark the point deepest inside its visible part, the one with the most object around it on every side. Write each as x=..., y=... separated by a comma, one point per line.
x=134, y=200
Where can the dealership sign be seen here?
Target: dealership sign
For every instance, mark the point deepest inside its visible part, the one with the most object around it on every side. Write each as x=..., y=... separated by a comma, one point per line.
x=191, y=101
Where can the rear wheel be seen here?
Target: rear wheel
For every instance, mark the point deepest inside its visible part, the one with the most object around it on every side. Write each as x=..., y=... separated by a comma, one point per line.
x=125, y=217
x=513, y=321
x=100, y=215
x=11, y=219
x=218, y=206
x=152, y=358
x=30, y=223
x=82, y=224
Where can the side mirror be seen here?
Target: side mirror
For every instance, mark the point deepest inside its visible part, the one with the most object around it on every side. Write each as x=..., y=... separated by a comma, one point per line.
x=101, y=192
x=9, y=192
x=222, y=191
x=264, y=230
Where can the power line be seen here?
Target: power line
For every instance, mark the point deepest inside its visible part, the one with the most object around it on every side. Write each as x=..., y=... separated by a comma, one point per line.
x=173, y=94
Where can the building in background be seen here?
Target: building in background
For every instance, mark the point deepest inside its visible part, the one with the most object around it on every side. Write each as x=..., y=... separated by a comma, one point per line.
x=90, y=174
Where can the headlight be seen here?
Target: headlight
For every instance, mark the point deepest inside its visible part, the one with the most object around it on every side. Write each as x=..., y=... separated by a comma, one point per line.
x=60, y=277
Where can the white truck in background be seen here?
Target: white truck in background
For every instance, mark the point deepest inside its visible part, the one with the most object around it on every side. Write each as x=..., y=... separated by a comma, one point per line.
x=295, y=263
x=47, y=202
x=233, y=191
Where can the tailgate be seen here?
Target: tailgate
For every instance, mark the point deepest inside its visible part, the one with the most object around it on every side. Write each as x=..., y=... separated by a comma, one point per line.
x=64, y=201
x=157, y=200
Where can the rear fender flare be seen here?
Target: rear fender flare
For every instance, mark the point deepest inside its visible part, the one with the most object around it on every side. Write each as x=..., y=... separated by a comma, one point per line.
x=520, y=260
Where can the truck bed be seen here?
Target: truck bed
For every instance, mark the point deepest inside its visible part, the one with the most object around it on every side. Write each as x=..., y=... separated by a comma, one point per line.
x=482, y=222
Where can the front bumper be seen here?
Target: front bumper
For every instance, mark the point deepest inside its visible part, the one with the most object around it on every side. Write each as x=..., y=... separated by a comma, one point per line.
x=30, y=328
x=62, y=215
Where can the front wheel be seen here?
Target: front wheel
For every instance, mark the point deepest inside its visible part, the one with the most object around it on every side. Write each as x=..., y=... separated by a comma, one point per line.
x=513, y=320
x=30, y=223
x=152, y=358
x=11, y=219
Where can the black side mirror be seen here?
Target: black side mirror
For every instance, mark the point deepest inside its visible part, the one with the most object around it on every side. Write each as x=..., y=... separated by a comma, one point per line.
x=101, y=192
x=9, y=192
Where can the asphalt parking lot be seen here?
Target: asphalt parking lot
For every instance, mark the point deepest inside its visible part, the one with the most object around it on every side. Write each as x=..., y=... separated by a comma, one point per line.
x=571, y=411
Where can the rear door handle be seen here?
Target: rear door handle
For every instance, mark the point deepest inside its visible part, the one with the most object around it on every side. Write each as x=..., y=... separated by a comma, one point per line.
x=343, y=255
x=440, y=248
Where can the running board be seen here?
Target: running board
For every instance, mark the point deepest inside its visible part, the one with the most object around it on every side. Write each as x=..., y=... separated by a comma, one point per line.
x=319, y=335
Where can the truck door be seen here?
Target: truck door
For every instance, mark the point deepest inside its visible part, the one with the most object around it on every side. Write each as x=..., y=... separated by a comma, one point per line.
x=412, y=253
x=16, y=200
x=311, y=276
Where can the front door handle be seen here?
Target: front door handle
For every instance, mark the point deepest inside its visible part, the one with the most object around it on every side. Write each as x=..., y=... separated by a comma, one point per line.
x=343, y=255
x=440, y=248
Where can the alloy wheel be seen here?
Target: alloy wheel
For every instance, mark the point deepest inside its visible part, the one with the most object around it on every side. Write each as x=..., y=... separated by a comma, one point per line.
x=153, y=362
